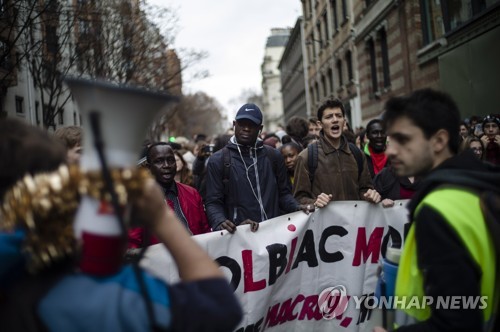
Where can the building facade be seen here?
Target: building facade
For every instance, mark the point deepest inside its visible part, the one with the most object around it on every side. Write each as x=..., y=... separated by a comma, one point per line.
x=293, y=83
x=48, y=40
x=366, y=51
x=271, y=80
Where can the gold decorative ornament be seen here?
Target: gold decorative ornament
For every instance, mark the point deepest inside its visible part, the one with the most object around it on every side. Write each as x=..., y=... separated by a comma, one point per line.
x=44, y=206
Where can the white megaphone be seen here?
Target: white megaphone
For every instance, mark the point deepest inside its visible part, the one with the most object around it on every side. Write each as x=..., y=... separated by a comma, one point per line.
x=124, y=114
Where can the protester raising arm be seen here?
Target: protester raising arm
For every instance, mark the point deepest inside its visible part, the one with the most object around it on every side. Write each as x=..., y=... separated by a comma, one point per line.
x=204, y=293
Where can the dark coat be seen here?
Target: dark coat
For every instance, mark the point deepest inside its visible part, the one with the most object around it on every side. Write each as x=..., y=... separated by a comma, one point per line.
x=388, y=184
x=241, y=202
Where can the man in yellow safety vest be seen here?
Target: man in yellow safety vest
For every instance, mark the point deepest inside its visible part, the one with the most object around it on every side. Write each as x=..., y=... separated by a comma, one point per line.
x=448, y=261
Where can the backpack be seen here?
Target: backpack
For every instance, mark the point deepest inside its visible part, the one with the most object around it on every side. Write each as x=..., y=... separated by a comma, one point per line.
x=312, y=159
x=226, y=166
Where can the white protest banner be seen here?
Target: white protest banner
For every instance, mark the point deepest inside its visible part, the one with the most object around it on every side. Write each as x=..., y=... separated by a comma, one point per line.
x=279, y=272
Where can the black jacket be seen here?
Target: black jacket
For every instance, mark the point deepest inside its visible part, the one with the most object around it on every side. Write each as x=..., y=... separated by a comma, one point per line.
x=388, y=184
x=448, y=267
x=242, y=201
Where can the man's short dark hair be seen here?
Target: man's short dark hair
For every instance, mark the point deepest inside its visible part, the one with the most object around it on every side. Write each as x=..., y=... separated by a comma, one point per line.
x=297, y=127
x=429, y=110
x=371, y=123
x=313, y=120
x=330, y=103
x=148, y=151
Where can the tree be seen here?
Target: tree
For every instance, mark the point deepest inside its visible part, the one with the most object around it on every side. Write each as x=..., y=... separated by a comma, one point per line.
x=47, y=46
x=116, y=40
x=248, y=95
x=133, y=45
x=16, y=17
x=194, y=114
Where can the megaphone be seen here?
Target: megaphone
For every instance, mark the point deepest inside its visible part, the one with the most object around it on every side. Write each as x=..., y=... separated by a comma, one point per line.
x=124, y=114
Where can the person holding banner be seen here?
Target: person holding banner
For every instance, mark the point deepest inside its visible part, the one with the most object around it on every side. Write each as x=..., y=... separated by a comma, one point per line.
x=247, y=181
x=448, y=268
x=53, y=295
x=333, y=168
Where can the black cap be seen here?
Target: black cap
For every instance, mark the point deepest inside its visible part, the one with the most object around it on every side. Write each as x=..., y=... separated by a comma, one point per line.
x=251, y=112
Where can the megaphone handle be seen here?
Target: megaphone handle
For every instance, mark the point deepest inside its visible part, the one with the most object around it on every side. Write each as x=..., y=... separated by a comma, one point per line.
x=95, y=126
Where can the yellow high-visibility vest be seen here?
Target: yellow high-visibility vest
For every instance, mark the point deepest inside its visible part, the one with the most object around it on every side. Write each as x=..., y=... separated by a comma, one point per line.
x=461, y=210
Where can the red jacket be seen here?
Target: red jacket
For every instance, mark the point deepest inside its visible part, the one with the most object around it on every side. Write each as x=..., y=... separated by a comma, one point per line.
x=192, y=207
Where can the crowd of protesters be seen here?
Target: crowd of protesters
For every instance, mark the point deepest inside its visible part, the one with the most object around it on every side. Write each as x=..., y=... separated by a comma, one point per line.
x=247, y=175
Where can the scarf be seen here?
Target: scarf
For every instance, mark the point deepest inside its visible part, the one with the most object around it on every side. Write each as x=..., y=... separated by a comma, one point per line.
x=378, y=159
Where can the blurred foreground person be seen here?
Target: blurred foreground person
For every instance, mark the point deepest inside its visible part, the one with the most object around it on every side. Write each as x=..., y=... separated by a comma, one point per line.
x=71, y=137
x=449, y=251
x=41, y=288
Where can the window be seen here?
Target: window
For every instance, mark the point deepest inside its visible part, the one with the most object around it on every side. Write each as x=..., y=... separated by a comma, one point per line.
x=83, y=27
x=323, y=83
x=326, y=34
x=330, y=80
x=37, y=114
x=3, y=7
x=385, y=57
x=60, y=116
x=348, y=60
x=373, y=65
x=310, y=49
x=456, y=13
x=440, y=17
x=339, y=72
x=344, y=11
x=318, y=33
x=19, y=105
x=313, y=46
x=432, y=21
x=52, y=6
x=333, y=4
x=74, y=118
x=51, y=39
x=4, y=55
x=47, y=113
x=316, y=87
x=309, y=9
